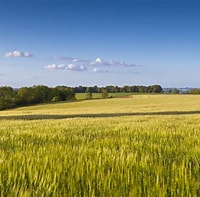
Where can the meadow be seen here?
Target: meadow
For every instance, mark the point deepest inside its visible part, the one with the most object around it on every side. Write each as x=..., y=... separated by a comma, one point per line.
x=82, y=96
x=139, y=145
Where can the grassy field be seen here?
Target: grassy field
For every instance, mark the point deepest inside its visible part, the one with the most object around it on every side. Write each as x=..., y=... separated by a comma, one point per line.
x=139, y=145
x=82, y=96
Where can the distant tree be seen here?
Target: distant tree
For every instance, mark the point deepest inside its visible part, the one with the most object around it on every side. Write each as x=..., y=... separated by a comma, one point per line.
x=141, y=89
x=88, y=93
x=175, y=91
x=24, y=96
x=125, y=89
x=33, y=95
x=7, y=97
x=96, y=89
x=115, y=89
x=194, y=91
x=134, y=88
x=79, y=89
x=42, y=94
x=63, y=93
x=169, y=91
x=156, y=89
x=112, y=89
x=104, y=93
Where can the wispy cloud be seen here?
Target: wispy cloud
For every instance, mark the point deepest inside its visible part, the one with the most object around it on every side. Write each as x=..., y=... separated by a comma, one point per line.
x=72, y=59
x=17, y=53
x=100, y=62
x=56, y=67
x=74, y=67
x=95, y=66
x=65, y=58
x=69, y=67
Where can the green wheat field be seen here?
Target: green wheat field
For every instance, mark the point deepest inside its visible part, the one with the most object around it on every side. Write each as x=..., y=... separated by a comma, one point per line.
x=138, y=145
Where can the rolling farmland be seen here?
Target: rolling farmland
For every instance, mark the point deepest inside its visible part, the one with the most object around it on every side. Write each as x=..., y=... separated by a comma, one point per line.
x=140, y=145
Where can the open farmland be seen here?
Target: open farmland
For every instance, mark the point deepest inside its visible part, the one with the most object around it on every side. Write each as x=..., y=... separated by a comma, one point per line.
x=141, y=145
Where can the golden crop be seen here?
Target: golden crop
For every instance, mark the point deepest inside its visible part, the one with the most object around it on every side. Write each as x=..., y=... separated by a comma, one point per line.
x=142, y=145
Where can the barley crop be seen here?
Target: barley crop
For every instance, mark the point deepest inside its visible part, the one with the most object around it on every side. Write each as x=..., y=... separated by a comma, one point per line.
x=49, y=150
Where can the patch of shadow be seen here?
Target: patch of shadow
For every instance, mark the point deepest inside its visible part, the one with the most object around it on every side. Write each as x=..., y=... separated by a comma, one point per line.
x=99, y=115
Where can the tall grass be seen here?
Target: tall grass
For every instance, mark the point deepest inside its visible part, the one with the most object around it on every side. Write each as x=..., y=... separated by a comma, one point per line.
x=151, y=155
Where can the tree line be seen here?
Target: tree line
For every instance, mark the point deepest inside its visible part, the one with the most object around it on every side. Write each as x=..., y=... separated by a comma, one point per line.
x=190, y=91
x=10, y=97
x=194, y=91
x=117, y=89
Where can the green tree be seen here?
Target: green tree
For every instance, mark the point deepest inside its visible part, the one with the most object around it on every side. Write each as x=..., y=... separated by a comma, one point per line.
x=7, y=97
x=156, y=89
x=194, y=91
x=42, y=94
x=104, y=93
x=175, y=91
x=169, y=91
x=63, y=93
x=88, y=93
x=25, y=96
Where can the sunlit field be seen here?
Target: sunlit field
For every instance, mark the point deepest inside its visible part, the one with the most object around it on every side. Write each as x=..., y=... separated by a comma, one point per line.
x=82, y=96
x=139, y=145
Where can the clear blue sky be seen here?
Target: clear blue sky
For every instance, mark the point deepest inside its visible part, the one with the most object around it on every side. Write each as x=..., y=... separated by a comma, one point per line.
x=100, y=42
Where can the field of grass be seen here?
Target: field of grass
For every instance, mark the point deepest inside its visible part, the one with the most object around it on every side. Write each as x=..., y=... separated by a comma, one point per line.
x=141, y=145
x=82, y=96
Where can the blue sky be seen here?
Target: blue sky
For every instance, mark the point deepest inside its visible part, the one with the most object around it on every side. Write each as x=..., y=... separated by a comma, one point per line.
x=99, y=42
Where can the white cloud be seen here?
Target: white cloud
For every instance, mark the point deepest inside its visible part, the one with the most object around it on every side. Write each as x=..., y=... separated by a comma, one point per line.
x=71, y=59
x=74, y=67
x=95, y=66
x=69, y=67
x=97, y=62
x=100, y=62
x=56, y=67
x=51, y=66
x=17, y=54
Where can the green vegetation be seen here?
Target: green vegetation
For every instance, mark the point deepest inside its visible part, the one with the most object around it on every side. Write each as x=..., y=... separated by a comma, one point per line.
x=195, y=91
x=88, y=93
x=24, y=96
x=173, y=91
x=104, y=93
x=83, y=96
x=117, y=89
x=142, y=145
x=10, y=97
